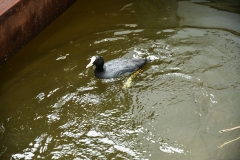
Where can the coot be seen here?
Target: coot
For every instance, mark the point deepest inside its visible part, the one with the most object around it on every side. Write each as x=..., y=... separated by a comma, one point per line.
x=115, y=68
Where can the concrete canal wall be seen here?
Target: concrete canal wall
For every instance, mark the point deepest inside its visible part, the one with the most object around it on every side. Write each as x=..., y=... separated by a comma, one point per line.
x=22, y=20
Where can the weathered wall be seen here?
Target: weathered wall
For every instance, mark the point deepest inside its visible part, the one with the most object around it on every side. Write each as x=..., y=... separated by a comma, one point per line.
x=21, y=20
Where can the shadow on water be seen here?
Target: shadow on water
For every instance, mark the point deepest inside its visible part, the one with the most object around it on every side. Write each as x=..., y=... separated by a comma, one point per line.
x=54, y=108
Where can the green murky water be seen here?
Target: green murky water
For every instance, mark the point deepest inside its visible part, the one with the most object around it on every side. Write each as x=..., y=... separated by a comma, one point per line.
x=54, y=108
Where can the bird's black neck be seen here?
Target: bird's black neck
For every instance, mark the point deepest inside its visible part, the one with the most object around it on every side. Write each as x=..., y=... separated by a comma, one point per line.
x=99, y=68
x=99, y=63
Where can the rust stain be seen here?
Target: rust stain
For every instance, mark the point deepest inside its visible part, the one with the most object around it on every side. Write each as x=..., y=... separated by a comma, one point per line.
x=6, y=5
x=22, y=20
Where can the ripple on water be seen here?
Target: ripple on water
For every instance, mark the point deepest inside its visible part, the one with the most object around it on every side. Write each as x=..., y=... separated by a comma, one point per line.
x=173, y=109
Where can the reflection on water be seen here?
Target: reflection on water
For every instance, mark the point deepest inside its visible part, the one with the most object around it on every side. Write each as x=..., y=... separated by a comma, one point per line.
x=53, y=108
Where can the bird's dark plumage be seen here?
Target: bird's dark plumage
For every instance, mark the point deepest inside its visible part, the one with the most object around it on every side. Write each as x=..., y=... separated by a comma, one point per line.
x=115, y=68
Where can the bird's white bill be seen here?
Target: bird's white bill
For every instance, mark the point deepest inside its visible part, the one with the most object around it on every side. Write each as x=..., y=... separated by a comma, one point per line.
x=91, y=62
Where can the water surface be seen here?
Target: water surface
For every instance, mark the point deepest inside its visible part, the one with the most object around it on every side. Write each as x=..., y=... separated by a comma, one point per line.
x=54, y=108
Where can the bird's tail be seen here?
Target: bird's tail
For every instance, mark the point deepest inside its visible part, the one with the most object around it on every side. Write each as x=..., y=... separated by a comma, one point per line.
x=151, y=58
